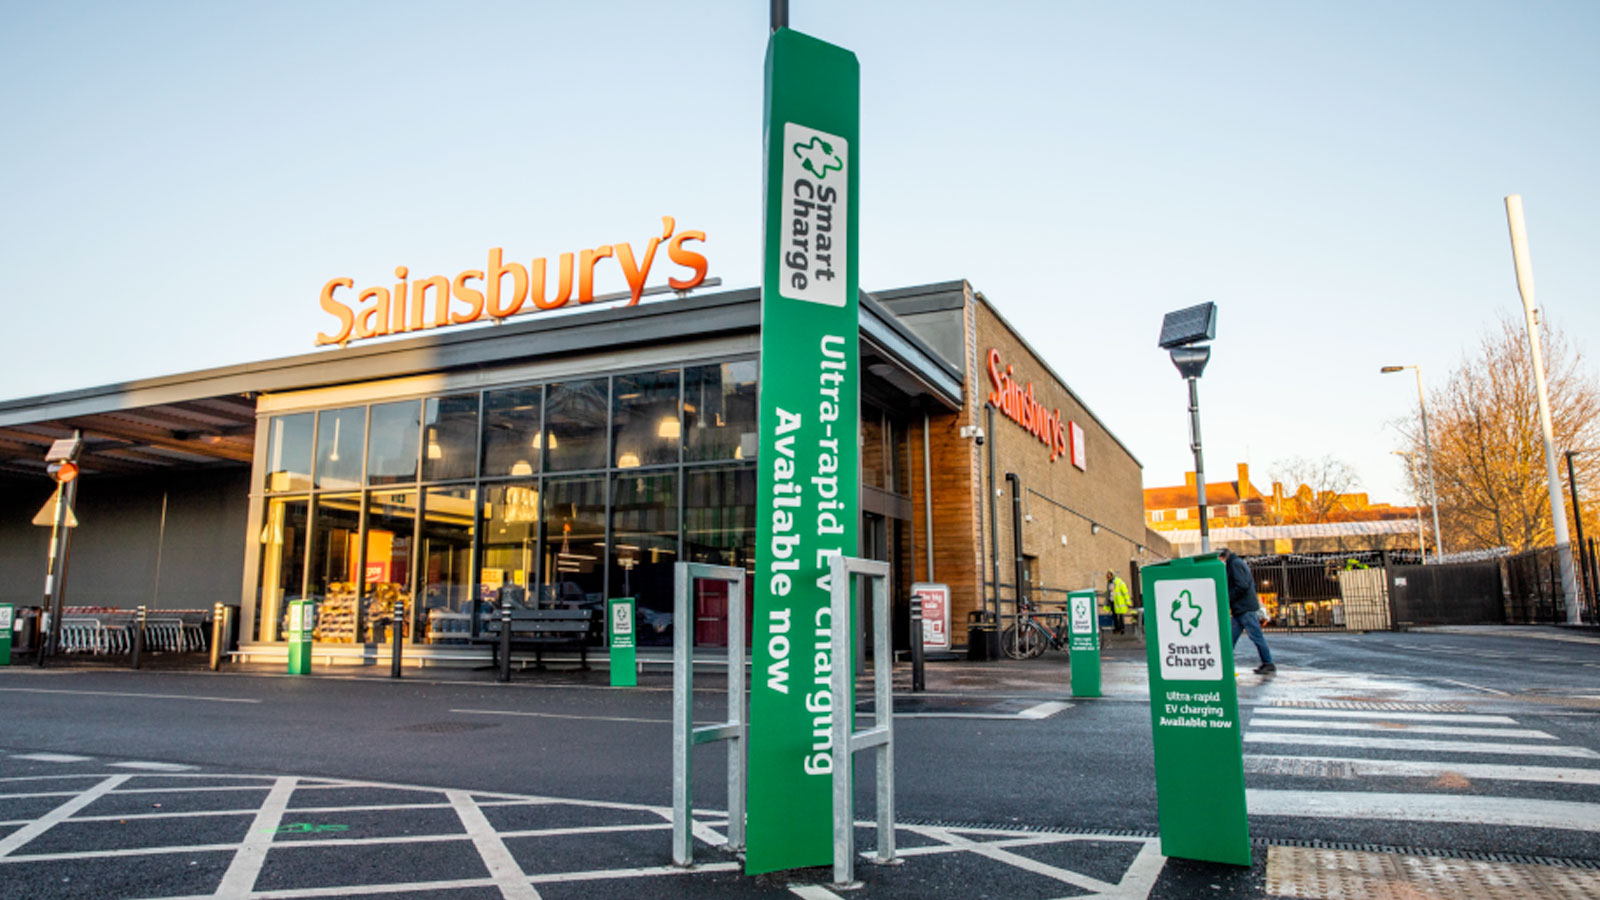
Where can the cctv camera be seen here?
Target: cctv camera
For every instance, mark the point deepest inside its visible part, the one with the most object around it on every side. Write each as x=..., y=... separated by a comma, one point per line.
x=979, y=439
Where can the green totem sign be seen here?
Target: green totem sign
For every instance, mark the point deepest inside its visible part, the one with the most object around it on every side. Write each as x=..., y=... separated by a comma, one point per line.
x=806, y=509
x=1194, y=712
x=7, y=622
x=622, y=638
x=302, y=621
x=1083, y=643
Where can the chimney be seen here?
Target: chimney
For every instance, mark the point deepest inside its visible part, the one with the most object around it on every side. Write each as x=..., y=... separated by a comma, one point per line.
x=1188, y=479
x=1245, y=492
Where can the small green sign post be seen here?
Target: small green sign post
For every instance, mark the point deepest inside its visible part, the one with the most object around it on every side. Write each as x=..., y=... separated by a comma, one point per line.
x=810, y=423
x=621, y=638
x=302, y=620
x=1194, y=712
x=7, y=622
x=1083, y=643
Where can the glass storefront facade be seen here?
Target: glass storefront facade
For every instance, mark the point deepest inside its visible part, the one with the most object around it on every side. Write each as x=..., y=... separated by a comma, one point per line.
x=545, y=495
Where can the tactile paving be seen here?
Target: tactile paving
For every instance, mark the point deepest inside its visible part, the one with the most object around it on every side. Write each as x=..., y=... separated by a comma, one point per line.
x=1352, y=875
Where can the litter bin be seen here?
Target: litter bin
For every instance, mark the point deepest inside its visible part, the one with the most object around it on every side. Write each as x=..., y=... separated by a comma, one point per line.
x=983, y=638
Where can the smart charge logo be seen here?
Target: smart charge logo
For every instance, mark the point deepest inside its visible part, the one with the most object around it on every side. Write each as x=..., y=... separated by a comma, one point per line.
x=1187, y=628
x=816, y=194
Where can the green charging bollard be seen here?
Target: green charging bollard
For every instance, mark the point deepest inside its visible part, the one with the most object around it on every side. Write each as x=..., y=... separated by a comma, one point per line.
x=1083, y=643
x=622, y=639
x=1194, y=712
x=7, y=622
x=302, y=619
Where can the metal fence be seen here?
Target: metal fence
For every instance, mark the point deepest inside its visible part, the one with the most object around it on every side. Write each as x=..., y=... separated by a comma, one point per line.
x=1533, y=588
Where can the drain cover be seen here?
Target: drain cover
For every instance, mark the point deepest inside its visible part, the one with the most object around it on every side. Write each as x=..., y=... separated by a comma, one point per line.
x=1353, y=875
x=447, y=727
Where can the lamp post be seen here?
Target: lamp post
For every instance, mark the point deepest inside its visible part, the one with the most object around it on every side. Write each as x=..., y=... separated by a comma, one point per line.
x=1427, y=445
x=1180, y=331
x=1558, y=514
x=1577, y=520
x=1416, y=494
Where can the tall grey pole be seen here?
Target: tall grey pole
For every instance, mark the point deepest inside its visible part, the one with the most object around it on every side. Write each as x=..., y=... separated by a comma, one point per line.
x=780, y=14
x=1433, y=485
x=1577, y=518
x=1558, y=512
x=1199, y=461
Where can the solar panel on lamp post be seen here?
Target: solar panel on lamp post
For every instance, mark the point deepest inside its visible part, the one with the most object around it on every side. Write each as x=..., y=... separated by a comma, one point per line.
x=1181, y=330
x=1427, y=446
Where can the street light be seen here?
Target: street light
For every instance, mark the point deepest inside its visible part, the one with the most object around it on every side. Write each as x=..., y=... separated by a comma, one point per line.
x=1427, y=444
x=1416, y=494
x=1585, y=560
x=1180, y=330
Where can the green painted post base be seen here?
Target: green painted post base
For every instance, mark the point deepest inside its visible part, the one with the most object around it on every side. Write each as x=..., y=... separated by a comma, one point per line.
x=621, y=637
x=7, y=622
x=1194, y=712
x=1083, y=644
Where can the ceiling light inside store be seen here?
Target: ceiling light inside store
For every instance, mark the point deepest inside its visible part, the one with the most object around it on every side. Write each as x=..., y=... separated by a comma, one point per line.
x=628, y=460
x=669, y=428
x=522, y=467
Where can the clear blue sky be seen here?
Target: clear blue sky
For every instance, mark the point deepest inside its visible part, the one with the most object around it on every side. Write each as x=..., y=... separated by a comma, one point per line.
x=179, y=179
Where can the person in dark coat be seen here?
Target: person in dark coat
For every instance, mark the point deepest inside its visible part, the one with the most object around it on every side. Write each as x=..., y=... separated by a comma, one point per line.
x=1245, y=607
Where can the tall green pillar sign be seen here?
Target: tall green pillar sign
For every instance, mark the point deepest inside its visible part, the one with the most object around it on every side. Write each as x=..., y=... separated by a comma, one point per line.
x=1083, y=643
x=806, y=509
x=1194, y=712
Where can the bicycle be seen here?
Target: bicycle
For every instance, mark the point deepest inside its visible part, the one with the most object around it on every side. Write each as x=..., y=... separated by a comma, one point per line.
x=1029, y=637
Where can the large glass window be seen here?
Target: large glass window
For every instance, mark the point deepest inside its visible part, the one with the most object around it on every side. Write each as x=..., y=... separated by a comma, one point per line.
x=289, y=452
x=719, y=411
x=510, y=546
x=335, y=565
x=645, y=426
x=574, y=574
x=719, y=527
x=391, y=526
x=392, y=443
x=450, y=437
x=341, y=436
x=512, y=439
x=644, y=545
x=575, y=425
x=444, y=582
x=283, y=560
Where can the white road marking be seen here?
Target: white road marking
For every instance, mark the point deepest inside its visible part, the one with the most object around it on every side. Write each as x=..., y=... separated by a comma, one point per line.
x=58, y=815
x=1399, y=768
x=503, y=867
x=240, y=879
x=1476, y=687
x=813, y=892
x=1043, y=710
x=130, y=694
x=1418, y=744
x=1514, y=812
x=1459, y=718
x=1260, y=720
x=542, y=715
x=154, y=766
x=53, y=757
x=998, y=854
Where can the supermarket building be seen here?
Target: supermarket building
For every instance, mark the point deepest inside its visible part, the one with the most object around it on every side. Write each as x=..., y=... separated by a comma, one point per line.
x=557, y=460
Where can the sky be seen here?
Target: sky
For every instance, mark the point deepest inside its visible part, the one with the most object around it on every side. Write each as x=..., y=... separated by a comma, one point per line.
x=178, y=180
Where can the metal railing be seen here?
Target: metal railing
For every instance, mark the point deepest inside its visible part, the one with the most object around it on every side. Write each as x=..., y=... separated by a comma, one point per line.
x=684, y=735
x=847, y=742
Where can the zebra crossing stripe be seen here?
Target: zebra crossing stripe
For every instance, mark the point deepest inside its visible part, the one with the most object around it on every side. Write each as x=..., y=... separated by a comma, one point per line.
x=1518, y=812
x=1401, y=768
x=1260, y=721
x=1418, y=744
x=1456, y=718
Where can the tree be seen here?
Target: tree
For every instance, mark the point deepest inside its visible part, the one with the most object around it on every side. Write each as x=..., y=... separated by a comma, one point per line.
x=1488, y=452
x=1315, y=490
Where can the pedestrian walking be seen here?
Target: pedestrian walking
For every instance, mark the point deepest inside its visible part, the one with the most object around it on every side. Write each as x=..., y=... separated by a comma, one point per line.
x=1245, y=607
x=1121, y=601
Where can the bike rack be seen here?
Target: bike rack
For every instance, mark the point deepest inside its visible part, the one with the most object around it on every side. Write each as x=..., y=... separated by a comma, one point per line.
x=684, y=735
x=847, y=742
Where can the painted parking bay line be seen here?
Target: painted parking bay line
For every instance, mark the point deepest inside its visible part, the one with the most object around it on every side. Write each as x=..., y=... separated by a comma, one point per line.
x=1419, y=744
x=154, y=766
x=1402, y=768
x=1263, y=721
x=1518, y=812
x=52, y=757
x=199, y=697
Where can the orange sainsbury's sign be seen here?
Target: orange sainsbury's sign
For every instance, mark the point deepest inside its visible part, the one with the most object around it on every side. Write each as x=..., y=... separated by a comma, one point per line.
x=1016, y=401
x=435, y=301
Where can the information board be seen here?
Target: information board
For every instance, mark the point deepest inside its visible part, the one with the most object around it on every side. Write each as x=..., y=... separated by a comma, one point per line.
x=935, y=600
x=622, y=638
x=1083, y=643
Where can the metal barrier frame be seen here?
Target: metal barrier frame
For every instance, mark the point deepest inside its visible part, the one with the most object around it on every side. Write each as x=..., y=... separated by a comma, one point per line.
x=847, y=742
x=684, y=735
